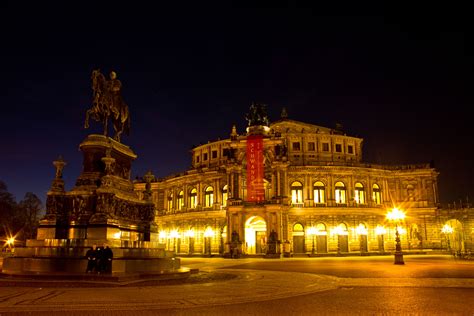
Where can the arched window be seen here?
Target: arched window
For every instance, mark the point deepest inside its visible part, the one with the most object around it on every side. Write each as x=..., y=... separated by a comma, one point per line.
x=340, y=193
x=359, y=193
x=321, y=229
x=376, y=196
x=319, y=192
x=225, y=195
x=170, y=202
x=361, y=229
x=298, y=228
x=180, y=200
x=193, y=198
x=340, y=229
x=296, y=192
x=209, y=196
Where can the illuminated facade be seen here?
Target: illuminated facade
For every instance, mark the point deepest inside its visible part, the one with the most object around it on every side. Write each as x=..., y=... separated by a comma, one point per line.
x=319, y=197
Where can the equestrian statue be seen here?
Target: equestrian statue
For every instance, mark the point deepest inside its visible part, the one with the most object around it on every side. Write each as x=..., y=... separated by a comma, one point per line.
x=107, y=102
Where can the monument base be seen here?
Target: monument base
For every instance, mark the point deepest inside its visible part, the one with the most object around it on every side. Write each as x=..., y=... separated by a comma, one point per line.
x=68, y=256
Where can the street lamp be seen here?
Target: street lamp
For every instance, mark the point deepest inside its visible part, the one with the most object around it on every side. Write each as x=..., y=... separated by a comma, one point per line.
x=312, y=231
x=447, y=229
x=10, y=243
x=397, y=216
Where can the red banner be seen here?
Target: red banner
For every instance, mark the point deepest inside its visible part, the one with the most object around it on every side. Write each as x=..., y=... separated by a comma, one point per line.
x=255, y=190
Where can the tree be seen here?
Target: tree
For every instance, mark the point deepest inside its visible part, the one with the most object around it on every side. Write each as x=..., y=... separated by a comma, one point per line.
x=8, y=207
x=29, y=212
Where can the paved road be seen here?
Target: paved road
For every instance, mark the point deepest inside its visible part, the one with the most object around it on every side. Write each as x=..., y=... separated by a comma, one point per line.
x=416, y=266
x=425, y=285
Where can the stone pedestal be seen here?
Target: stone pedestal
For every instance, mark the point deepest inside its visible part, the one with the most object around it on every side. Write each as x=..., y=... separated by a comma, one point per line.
x=101, y=208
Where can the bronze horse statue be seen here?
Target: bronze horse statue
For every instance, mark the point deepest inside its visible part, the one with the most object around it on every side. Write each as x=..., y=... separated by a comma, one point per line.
x=107, y=102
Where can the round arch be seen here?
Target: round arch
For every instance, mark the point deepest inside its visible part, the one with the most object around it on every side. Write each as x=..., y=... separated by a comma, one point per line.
x=298, y=238
x=255, y=235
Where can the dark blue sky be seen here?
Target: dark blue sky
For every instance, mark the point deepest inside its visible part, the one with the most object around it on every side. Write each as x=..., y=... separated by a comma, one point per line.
x=401, y=79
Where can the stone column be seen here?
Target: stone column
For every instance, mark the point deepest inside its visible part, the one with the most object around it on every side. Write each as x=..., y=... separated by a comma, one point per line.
x=185, y=196
x=230, y=186
x=236, y=186
x=217, y=192
x=199, y=194
x=283, y=182
x=273, y=184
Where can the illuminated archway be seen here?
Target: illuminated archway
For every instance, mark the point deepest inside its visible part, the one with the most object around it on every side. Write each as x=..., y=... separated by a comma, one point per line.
x=298, y=238
x=255, y=235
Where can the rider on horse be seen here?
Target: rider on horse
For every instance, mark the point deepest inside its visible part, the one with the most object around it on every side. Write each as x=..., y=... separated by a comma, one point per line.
x=108, y=101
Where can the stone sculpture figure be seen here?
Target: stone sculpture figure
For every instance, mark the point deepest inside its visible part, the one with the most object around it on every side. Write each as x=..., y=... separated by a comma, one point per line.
x=108, y=102
x=235, y=236
x=59, y=164
x=257, y=116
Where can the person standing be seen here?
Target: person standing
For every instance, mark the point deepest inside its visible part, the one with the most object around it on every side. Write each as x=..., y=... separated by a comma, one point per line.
x=91, y=256
x=107, y=256
x=100, y=261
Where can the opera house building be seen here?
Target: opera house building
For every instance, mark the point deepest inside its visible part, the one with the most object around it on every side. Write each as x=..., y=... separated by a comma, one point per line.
x=303, y=187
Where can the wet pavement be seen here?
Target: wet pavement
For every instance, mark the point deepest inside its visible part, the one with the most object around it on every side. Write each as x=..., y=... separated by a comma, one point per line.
x=424, y=285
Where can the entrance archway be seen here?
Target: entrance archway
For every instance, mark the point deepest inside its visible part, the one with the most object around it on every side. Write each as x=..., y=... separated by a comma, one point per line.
x=298, y=238
x=255, y=235
x=342, y=240
x=321, y=238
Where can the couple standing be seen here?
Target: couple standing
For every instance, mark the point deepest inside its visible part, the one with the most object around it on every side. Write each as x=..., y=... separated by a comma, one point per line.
x=99, y=259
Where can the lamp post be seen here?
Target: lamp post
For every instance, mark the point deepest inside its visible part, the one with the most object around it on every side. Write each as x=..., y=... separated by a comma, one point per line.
x=396, y=216
x=447, y=229
x=312, y=232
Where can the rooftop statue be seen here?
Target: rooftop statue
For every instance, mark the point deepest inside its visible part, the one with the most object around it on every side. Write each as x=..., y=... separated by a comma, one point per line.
x=107, y=102
x=257, y=115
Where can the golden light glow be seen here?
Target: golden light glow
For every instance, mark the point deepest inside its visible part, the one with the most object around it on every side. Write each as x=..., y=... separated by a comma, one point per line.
x=339, y=231
x=174, y=234
x=117, y=235
x=162, y=234
x=395, y=214
x=209, y=232
x=401, y=230
x=311, y=231
x=361, y=230
x=254, y=226
x=340, y=193
x=447, y=229
x=318, y=192
x=190, y=233
x=11, y=241
x=296, y=192
x=380, y=230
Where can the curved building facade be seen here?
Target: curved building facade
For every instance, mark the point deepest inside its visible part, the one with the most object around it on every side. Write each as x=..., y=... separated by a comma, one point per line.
x=318, y=196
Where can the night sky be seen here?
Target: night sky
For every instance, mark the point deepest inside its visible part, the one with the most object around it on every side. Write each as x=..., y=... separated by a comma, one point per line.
x=401, y=78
